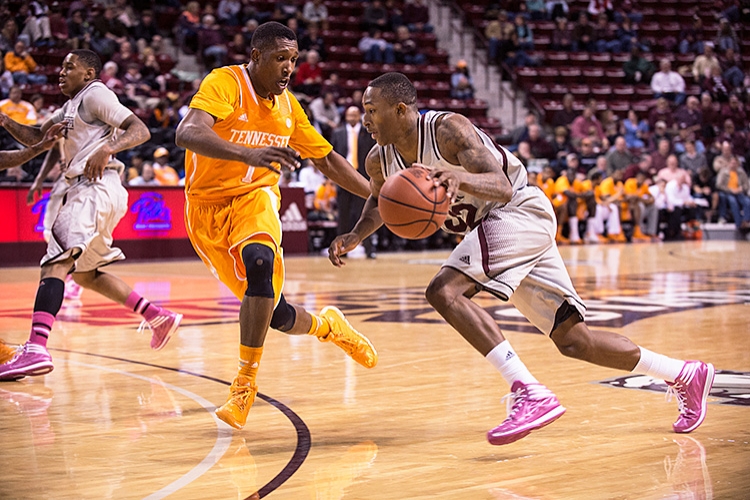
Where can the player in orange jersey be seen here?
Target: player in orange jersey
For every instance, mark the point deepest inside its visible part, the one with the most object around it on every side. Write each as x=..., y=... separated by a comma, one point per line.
x=242, y=128
x=642, y=207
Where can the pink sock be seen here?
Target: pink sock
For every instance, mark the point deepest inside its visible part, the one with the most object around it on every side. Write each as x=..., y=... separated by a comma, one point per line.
x=142, y=306
x=41, y=326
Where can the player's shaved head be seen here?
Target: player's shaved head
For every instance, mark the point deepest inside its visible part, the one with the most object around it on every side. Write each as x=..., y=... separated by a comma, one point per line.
x=395, y=88
x=89, y=58
x=266, y=34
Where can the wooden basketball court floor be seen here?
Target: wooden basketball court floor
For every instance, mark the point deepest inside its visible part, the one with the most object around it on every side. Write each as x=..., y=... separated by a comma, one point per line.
x=117, y=420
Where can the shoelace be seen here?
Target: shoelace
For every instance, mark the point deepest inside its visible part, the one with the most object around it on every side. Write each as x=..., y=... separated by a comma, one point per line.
x=513, y=400
x=154, y=323
x=678, y=391
x=241, y=395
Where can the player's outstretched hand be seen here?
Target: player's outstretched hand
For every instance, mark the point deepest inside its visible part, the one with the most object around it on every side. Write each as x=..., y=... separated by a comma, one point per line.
x=340, y=245
x=35, y=191
x=272, y=157
x=448, y=178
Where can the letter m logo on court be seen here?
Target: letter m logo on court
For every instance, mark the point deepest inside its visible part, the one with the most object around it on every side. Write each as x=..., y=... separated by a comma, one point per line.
x=153, y=214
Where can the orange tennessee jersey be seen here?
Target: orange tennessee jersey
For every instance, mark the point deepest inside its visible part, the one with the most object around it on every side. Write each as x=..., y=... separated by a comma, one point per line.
x=548, y=187
x=243, y=117
x=632, y=188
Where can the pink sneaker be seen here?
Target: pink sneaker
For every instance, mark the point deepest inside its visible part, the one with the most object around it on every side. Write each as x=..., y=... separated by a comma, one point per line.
x=691, y=388
x=73, y=290
x=31, y=359
x=530, y=407
x=162, y=327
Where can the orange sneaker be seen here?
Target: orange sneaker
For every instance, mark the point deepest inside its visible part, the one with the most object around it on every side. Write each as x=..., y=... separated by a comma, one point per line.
x=241, y=396
x=6, y=352
x=617, y=238
x=347, y=338
x=639, y=236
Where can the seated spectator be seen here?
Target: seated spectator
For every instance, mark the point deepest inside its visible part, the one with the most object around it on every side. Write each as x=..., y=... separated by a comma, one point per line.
x=8, y=35
x=151, y=71
x=562, y=36
x=417, y=16
x=498, y=33
x=284, y=10
x=689, y=116
x=584, y=125
x=376, y=49
x=145, y=32
x=604, y=37
x=731, y=67
x=737, y=138
x=565, y=116
x=662, y=112
x=147, y=177
x=535, y=9
x=691, y=160
x=311, y=40
x=375, y=17
x=42, y=112
x=561, y=148
x=659, y=157
x=683, y=206
x=238, y=51
x=187, y=27
x=316, y=12
x=325, y=202
x=525, y=35
x=715, y=85
x=683, y=136
x=598, y=7
x=588, y=157
x=134, y=80
x=703, y=64
x=583, y=35
x=405, y=49
x=539, y=145
x=17, y=109
x=163, y=171
x=668, y=84
x=109, y=77
x=634, y=130
x=326, y=112
x=462, y=85
x=733, y=185
x=727, y=38
x=721, y=162
x=672, y=170
x=516, y=56
x=311, y=179
x=6, y=80
x=15, y=175
x=211, y=45
x=639, y=204
x=79, y=31
x=600, y=166
x=710, y=113
x=691, y=38
x=228, y=12
x=619, y=157
x=645, y=164
x=704, y=188
x=22, y=66
x=309, y=77
x=637, y=69
x=734, y=110
x=557, y=9
x=108, y=33
x=627, y=35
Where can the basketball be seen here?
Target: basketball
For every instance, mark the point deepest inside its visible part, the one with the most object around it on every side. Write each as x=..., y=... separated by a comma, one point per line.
x=411, y=205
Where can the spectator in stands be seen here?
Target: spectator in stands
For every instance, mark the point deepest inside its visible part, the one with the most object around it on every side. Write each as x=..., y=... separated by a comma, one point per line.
x=598, y=7
x=228, y=12
x=315, y=11
x=248, y=29
x=535, y=9
x=561, y=147
x=691, y=38
x=324, y=204
x=683, y=136
x=619, y=157
x=311, y=40
x=733, y=187
x=583, y=34
x=557, y=9
x=645, y=164
x=375, y=17
x=395, y=14
x=672, y=170
x=462, y=85
x=539, y=145
x=124, y=56
x=523, y=153
x=8, y=35
x=34, y=17
x=600, y=165
x=704, y=188
x=163, y=171
x=634, y=130
x=376, y=49
x=682, y=205
x=689, y=116
x=417, y=16
x=17, y=109
x=147, y=177
x=309, y=76
x=565, y=116
x=662, y=112
x=162, y=122
x=146, y=32
x=405, y=49
x=711, y=115
x=691, y=160
x=604, y=37
x=659, y=157
x=211, y=45
x=637, y=69
x=6, y=80
x=22, y=66
x=238, y=51
x=42, y=112
x=627, y=35
x=737, y=138
x=108, y=33
x=586, y=123
x=734, y=110
x=525, y=35
x=667, y=83
x=326, y=112
x=521, y=133
x=562, y=36
x=715, y=85
x=79, y=31
x=498, y=33
x=109, y=77
x=284, y=10
x=721, y=162
x=187, y=27
x=703, y=64
x=727, y=38
x=588, y=157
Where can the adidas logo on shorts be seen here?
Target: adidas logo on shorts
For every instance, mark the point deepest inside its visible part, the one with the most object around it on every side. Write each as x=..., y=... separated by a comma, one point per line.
x=292, y=220
x=465, y=259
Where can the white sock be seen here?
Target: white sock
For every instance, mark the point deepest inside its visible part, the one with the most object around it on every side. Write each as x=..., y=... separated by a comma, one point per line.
x=658, y=366
x=573, y=225
x=510, y=366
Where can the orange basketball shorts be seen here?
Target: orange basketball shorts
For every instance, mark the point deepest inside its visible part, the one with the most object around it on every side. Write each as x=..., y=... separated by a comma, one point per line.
x=220, y=229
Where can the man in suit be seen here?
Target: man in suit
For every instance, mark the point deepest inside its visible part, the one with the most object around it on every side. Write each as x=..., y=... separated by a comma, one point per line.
x=352, y=141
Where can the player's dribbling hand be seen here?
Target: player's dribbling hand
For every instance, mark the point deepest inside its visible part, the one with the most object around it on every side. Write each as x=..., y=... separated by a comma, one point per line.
x=340, y=245
x=267, y=157
x=447, y=178
x=96, y=164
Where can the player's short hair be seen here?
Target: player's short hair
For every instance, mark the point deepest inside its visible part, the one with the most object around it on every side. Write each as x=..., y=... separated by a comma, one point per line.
x=89, y=58
x=395, y=88
x=267, y=33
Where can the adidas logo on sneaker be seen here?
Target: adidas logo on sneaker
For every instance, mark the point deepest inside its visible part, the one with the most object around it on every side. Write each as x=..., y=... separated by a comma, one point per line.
x=465, y=259
x=292, y=220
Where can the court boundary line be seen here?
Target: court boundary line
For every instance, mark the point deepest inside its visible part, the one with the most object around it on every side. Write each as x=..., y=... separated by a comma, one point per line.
x=304, y=439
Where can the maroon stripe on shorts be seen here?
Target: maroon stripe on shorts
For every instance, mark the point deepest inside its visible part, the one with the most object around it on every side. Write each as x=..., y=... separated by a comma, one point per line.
x=484, y=249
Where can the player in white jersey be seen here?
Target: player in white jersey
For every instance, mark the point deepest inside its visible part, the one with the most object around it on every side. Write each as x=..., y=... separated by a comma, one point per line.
x=96, y=127
x=508, y=250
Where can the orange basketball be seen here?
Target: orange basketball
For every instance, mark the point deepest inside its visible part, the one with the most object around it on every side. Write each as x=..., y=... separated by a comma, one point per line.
x=411, y=205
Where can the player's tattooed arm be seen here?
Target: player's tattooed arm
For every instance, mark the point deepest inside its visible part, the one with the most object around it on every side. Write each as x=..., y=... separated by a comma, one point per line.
x=25, y=134
x=135, y=132
x=460, y=144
